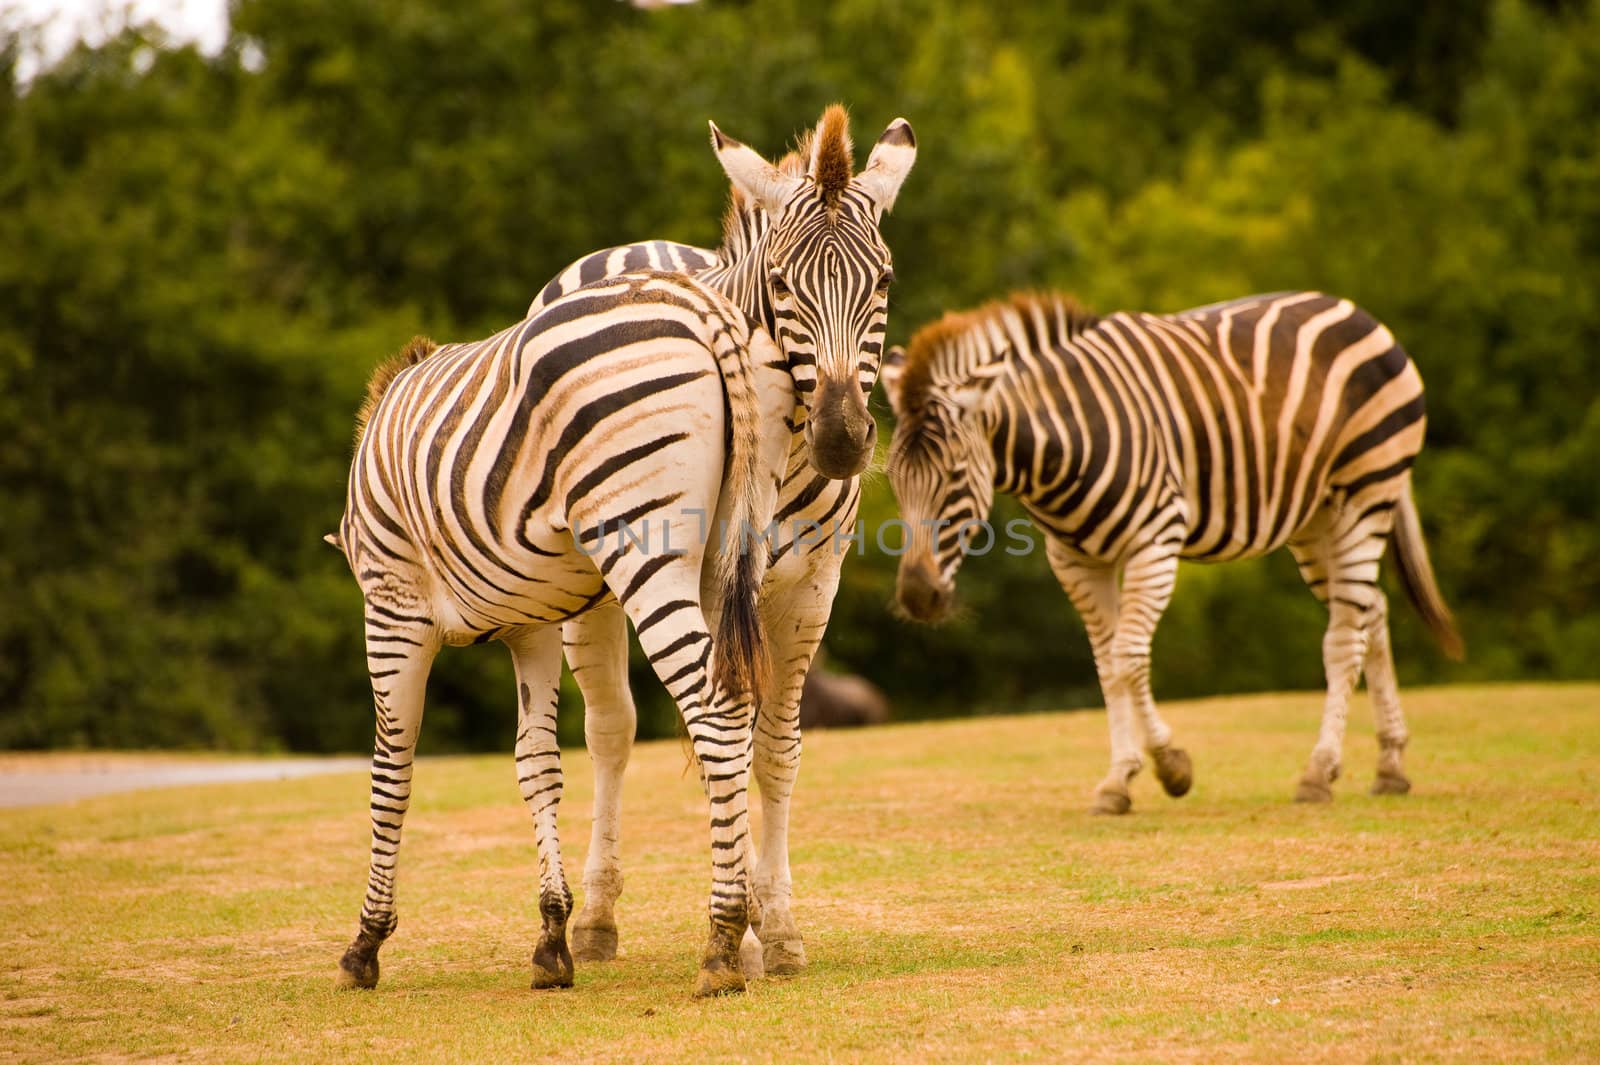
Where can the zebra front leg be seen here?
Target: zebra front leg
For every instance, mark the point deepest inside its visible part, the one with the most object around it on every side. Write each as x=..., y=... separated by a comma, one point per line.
x=1092, y=587
x=536, y=653
x=796, y=633
x=400, y=651
x=1148, y=575
x=1385, y=692
x=596, y=646
x=1147, y=582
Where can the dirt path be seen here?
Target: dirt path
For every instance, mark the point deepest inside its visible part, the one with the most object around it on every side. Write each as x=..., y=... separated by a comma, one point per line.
x=36, y=780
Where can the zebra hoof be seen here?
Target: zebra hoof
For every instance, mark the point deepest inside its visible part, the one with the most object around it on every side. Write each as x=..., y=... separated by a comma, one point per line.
x=719, y=977
x=1174, y=770
x=1313, y=789
x=721, y=970
x=552, y=963
x=1390, y=783
x=784, y=957
x=594, y=942
x=359, y=966
x=1111, y=803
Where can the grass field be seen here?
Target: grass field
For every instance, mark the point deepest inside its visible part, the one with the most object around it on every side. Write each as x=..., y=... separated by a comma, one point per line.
x=958, y=903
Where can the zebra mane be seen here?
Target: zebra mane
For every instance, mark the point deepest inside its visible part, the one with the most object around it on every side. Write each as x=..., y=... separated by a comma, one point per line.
x=831, y=156
x=418, y=349
x=948, y=351
x=824, y=154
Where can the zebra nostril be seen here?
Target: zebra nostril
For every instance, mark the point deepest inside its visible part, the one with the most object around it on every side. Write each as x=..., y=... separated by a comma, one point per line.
x=922, y=593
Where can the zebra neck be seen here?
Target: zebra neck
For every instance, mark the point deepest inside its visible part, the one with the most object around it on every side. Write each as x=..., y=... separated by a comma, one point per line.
x=741, y=275
x=1049, y=427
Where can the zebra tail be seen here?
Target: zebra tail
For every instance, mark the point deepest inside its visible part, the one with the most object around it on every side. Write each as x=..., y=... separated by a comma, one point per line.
x=1416, y=577
x=740, y=656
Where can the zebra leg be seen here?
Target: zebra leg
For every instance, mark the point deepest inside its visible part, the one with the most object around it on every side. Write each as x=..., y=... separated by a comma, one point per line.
x=719, y=730
x=1351, y=592
x=1092, y=587
x=596, y=646
x=662, y=599
x=1385, y=692
x=1147, y=582
x=536, y=653
x=400, y=651
x=795, y=632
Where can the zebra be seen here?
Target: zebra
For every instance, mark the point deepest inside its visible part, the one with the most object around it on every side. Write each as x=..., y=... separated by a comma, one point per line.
x=1134, y=440
x=499, y=489
x=802, y=256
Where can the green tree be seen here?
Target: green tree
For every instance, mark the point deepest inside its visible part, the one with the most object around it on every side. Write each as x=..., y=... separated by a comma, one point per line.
x=201, y=257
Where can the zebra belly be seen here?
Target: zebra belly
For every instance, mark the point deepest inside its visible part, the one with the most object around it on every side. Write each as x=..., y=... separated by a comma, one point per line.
x=471, y=608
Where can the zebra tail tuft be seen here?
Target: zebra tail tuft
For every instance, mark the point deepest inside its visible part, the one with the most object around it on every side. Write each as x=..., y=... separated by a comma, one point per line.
x=741, y=652
x=1416, y=577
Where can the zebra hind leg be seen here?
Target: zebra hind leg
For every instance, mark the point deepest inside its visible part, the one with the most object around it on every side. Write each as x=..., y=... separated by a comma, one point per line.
x=662, y=598
x=719, y=729
x=596, y=646
x=1349, y=562
x=536, y=653
x=400, y=651
x=1385, y=692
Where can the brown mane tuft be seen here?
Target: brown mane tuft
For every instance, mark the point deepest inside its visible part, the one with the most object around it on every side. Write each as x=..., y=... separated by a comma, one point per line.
x=930, y=344
x=795, y=161
x=744, y=217
x=833, y=161
x=414, y=352
x=733, y=222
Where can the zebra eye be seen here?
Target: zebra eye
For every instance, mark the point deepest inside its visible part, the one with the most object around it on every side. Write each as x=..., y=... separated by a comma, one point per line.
x=886, y=280
x=779, y=288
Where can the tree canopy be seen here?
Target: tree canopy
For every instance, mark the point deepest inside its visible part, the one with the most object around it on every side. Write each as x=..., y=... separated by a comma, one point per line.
x=202, y=256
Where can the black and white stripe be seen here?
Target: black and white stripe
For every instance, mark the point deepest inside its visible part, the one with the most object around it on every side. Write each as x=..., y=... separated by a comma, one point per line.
x=803, y=257
x=1137, y=440
x=487, y=498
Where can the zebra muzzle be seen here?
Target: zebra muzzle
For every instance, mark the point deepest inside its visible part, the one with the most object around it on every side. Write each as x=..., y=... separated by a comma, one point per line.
x=841, y=431
x=920, y=591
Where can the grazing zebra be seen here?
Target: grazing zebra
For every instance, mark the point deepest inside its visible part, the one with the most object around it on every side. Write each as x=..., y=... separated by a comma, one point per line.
x=802, y=256
x=1135, y=440
x=503, y=487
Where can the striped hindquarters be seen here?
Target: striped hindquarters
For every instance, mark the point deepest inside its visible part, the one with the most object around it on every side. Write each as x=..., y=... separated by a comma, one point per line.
x=1288, y=401
x=487, y=466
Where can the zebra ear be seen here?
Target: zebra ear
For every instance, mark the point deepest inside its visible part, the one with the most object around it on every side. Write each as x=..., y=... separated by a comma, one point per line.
x=889, y=164
x=891, y=373
x=752, y=175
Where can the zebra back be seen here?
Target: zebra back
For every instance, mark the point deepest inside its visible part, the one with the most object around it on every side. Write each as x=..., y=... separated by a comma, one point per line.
x=1231, y=423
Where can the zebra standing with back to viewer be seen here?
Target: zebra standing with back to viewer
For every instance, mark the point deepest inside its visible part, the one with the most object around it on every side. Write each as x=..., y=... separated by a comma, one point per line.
x=491, y=495
x=802, y=256
x=1135, y=440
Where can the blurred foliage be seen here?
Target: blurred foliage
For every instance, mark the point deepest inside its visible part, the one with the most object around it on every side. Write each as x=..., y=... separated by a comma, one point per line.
x=202, y=256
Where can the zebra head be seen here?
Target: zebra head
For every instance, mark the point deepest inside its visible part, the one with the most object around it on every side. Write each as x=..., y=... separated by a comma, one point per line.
x=941, y=459
x=821, y=278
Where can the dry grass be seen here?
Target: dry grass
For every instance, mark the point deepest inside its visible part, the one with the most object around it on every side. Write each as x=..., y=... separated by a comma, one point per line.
x=958, y=903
